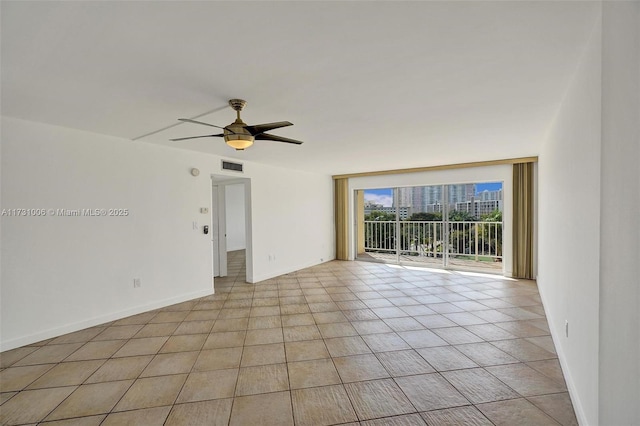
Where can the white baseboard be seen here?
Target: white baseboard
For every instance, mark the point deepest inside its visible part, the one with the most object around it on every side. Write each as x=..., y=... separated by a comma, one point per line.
x=284, y=271
x=573, y=392
x=81, y=325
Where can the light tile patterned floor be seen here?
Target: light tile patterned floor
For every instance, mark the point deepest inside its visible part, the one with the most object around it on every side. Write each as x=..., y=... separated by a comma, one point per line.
x=338, y=343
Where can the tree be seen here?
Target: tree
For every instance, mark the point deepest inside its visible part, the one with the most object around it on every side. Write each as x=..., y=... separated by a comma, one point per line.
x=379, y=216
x=461, y=216
x=426, y=217
x=494, y=216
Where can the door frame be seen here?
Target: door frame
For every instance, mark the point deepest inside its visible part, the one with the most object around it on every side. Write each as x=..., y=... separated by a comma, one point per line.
x=219, y=230
x=221, y=181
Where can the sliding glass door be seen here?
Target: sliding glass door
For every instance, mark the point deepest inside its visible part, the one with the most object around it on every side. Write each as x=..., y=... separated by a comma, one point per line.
x=457, y=226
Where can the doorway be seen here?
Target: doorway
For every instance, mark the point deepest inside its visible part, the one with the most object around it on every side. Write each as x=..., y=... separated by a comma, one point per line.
x=231, y=228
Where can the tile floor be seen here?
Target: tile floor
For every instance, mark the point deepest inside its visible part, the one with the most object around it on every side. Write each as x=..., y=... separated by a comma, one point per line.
x=339, y=343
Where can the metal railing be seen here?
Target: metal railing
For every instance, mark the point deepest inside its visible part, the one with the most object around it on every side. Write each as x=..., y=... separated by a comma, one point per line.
x=477, y=241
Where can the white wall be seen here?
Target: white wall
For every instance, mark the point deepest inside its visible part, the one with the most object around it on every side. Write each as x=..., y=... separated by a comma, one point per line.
x=589, y=247
x=61, y=274
x=65, y=273
x=292, y=217
x=501, y=173
x=620, y=216
x=569, y=237
x=234, y=199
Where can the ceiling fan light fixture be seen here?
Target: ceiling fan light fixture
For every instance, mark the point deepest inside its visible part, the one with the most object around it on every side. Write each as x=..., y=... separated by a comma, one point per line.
x=238, y=142
x=238, y=135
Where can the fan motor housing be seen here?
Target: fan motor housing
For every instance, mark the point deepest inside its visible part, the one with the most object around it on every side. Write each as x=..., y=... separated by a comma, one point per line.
x=237, y=136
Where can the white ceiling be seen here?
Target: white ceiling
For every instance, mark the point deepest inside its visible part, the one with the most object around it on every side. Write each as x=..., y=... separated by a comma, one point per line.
x=368, y=85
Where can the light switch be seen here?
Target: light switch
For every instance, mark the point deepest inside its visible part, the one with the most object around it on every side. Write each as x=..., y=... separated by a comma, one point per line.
x=204, y=210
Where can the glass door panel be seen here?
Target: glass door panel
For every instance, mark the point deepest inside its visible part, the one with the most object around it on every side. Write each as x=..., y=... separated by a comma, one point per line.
x=376, y=225
x=474, y=228
x=421, y=230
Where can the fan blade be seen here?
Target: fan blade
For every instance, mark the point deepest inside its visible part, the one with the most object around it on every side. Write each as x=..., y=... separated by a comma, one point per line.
x=188, y=120
x=196, y=137
x=261, y=128
x=268, y=137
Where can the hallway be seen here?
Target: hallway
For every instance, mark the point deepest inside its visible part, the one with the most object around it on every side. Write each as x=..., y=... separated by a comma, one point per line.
x=338, y=343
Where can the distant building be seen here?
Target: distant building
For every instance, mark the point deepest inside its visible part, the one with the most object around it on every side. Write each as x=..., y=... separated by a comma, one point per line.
x=478, y=208
x=404, y=212
x=373, y=206
x=433, y=208
x=430, y=199
x=433, y=195
x=419, y=197
x=487, y=195
x=486, y=207
x=461, y=193
x=405, y=197
x=413, y=197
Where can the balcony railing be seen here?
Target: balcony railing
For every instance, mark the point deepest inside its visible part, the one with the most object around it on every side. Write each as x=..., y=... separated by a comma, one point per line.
x=474, y=241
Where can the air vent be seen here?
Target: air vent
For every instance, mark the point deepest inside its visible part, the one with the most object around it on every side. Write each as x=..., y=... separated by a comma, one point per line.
x=227, y=165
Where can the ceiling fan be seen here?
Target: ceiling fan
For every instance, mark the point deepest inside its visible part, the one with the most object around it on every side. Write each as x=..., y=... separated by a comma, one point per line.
x=239, y=135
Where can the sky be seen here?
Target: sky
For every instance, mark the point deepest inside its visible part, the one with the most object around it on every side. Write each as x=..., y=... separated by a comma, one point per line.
x=493, y=186
x=384, y=196
x=379, y=196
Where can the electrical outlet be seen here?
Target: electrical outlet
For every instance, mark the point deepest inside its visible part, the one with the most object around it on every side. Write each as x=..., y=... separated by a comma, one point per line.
x=136, y=283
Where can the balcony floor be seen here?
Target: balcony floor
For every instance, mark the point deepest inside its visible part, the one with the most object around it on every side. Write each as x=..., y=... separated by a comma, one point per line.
x=430, y=262
x=355, y=343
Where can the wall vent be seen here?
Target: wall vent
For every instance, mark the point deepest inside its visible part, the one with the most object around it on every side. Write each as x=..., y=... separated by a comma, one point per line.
x=228, y=165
